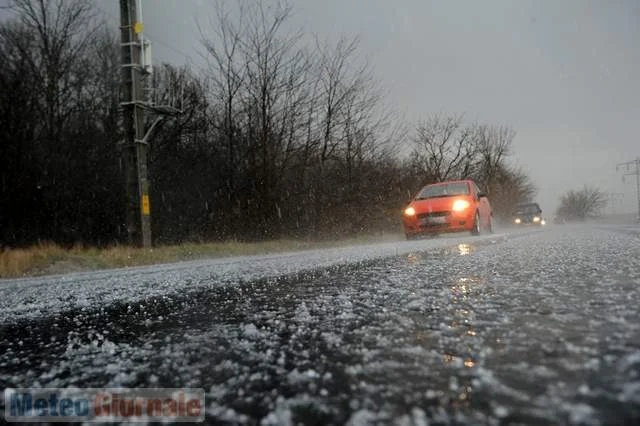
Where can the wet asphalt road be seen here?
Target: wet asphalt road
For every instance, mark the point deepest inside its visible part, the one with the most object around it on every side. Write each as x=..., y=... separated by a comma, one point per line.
x=540, y=327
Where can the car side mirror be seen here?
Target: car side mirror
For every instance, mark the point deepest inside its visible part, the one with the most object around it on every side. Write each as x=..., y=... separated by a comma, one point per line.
x=482, y=194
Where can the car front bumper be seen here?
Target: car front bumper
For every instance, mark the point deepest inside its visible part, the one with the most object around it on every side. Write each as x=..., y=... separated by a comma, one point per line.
x=528, y=222
x=438, y=222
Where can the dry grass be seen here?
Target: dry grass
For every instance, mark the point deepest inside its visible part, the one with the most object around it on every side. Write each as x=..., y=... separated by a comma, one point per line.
x=49, y=258
x=17, y=262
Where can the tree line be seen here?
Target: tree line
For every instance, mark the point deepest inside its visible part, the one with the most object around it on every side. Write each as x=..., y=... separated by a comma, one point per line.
x=582, y=204
x=281, y=135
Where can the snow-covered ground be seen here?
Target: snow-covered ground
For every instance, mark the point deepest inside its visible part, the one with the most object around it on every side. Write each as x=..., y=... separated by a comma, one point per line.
x=528, y=328
x=35, y=297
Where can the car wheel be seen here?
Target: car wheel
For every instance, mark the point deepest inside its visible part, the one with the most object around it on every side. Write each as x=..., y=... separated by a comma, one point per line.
x=476, y=225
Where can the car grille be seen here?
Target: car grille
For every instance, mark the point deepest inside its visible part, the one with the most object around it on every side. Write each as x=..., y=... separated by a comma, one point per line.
x=433, y=214
x=525, y=219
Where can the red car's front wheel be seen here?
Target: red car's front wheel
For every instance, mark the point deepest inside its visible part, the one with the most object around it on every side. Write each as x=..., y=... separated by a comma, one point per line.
x=476, y=225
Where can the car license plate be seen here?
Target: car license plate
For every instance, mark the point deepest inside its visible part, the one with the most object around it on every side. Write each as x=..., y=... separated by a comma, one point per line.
x=438, y=220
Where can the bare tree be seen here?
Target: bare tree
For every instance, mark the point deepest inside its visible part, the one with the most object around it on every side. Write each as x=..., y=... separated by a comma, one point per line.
x=582, y=204
x=227, y=76
x=64, y=30
x=510, y=186
x=274, y=64
x=259, y=75
x=444, y=148
x=346, y=98
x=493, y=144
x=339, y=85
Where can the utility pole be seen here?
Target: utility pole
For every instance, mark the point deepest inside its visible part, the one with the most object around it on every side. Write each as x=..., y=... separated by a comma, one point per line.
x=136, y=68
x=138, y=213
x=632, y=168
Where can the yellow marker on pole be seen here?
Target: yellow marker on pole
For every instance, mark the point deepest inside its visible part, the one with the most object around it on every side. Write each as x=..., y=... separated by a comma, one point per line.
x=138, y=27
x=146, y=207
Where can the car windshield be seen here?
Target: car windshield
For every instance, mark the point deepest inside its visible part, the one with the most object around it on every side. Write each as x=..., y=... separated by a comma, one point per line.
x=528, y=209
x=446, y=190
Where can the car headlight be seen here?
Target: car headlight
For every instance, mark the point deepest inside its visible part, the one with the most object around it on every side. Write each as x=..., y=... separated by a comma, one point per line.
x=543, y=222
x=409, y=211
x=460, y=205
x=536, y=219
x=518, y=220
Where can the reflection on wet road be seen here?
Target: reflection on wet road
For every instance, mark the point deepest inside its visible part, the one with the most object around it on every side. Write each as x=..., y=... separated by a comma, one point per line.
x=539, y=329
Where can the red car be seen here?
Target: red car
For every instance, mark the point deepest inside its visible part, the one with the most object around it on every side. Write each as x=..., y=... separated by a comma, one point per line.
x=448, y=207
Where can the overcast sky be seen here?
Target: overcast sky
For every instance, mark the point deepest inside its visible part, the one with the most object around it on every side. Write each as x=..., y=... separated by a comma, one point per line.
x=564, y=74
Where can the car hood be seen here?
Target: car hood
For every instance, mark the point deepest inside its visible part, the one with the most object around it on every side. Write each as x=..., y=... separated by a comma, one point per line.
x=436, y=204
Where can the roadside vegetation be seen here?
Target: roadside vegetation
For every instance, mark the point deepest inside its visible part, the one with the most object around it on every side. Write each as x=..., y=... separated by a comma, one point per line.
x=283, y=137
x=50, y=258
x=582, y=204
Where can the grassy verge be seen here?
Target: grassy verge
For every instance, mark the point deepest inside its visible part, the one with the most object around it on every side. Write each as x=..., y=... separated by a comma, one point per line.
x=48, y=258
